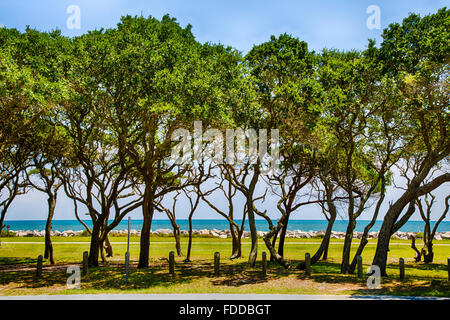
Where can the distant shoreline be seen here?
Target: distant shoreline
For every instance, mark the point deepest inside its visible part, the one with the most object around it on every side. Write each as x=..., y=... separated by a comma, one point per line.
x=219, y=224
x=224, y=234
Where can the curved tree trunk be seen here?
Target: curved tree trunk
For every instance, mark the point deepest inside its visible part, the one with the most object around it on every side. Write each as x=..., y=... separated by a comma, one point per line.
x=283, y=234
x=278, y=258
x=48, y=252
x=325, y=241
x=418, y=256
x=390, y=225
x=108, y=247
x=95, y=245
x=188, y=255
x=236, y=243
x=176, y=234
x=253, y=234
x=345, y=264
x=274, y=242
x=365, y=235
x=102, y=251
x=325, y=250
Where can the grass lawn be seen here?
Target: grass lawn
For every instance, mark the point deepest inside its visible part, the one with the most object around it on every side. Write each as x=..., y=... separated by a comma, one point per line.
x=18, y=257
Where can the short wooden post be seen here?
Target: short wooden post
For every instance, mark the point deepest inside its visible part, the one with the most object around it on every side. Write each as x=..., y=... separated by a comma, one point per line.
x=172, y=263
x=402, y=268
x=360, y=266
x=448, y=267
x=85, y=263
x=216, y=263
x=307, y=264
x=264, y=264
x=39, y=267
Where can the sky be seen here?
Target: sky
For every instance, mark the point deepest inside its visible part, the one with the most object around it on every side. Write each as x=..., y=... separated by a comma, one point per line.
x=241, y=24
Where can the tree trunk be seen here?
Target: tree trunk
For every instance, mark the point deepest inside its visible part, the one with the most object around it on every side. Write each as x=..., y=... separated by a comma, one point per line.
x=236, y=243
x=95, y=246
x=325, y=241
x=364, y=238
x=48, y=252
x=418, y=256
x=272, y=250
x=283, y=234
x=394, y=211
x=384, y=237
x=345, y=264
x=188, y=256
x=325, y=249
x=427, y=252
x=102, y=250
x=176, y=234
x=274, y=242
x=144, y=254
x=108, y=247
x=254, y=248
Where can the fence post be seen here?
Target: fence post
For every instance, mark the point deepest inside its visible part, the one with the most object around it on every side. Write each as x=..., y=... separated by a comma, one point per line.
x=172, y=263
x=360, y=266
x=85, y=263
x=264, y=264
x=39, y=267
x=448, y=267
x=216, y=263
x=307, y=264
x=402, y=268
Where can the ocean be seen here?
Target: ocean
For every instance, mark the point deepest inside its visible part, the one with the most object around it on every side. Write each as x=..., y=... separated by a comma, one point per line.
x=303, y=225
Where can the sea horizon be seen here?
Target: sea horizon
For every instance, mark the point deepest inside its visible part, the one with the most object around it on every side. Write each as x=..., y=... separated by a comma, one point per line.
x=220, y=224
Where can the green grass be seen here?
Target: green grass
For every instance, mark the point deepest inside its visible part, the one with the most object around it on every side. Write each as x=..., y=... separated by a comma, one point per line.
x=18, y=257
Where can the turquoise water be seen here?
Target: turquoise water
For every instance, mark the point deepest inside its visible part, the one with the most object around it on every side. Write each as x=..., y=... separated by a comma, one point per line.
x=304, y=225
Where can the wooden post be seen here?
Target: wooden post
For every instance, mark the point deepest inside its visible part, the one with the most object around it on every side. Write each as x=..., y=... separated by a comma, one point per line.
x=172, y=263
x=264, y=264
x=448, y=267
x=307, y=264
x=216, y=263
x=85, y=263
x=402, y=268
x=39, y=267
x=360, y=266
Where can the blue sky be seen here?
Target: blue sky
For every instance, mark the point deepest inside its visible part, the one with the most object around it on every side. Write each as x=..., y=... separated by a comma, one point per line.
x=241, y=24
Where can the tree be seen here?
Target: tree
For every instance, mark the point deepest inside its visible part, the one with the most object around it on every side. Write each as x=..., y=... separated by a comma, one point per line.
x=49, y=184
x=428, y=232
x=97, y=174
x=171, y=214
x=29, y=88
x=283, y=74
x=415, y=54
x=164, y=80
x=229, y=192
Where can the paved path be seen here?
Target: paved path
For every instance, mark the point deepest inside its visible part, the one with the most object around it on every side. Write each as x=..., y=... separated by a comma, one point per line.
x=225, y=297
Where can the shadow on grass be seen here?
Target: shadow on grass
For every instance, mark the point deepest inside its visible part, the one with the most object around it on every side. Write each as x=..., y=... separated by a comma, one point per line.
x=10, y=261
x=112, y=275
x=430, y=266
x=415, y=285
x=235, y=274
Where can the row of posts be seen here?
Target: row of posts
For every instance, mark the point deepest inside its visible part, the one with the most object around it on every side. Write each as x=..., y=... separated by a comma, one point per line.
x=217, y=265
x=84, y=270
x=360, y=271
